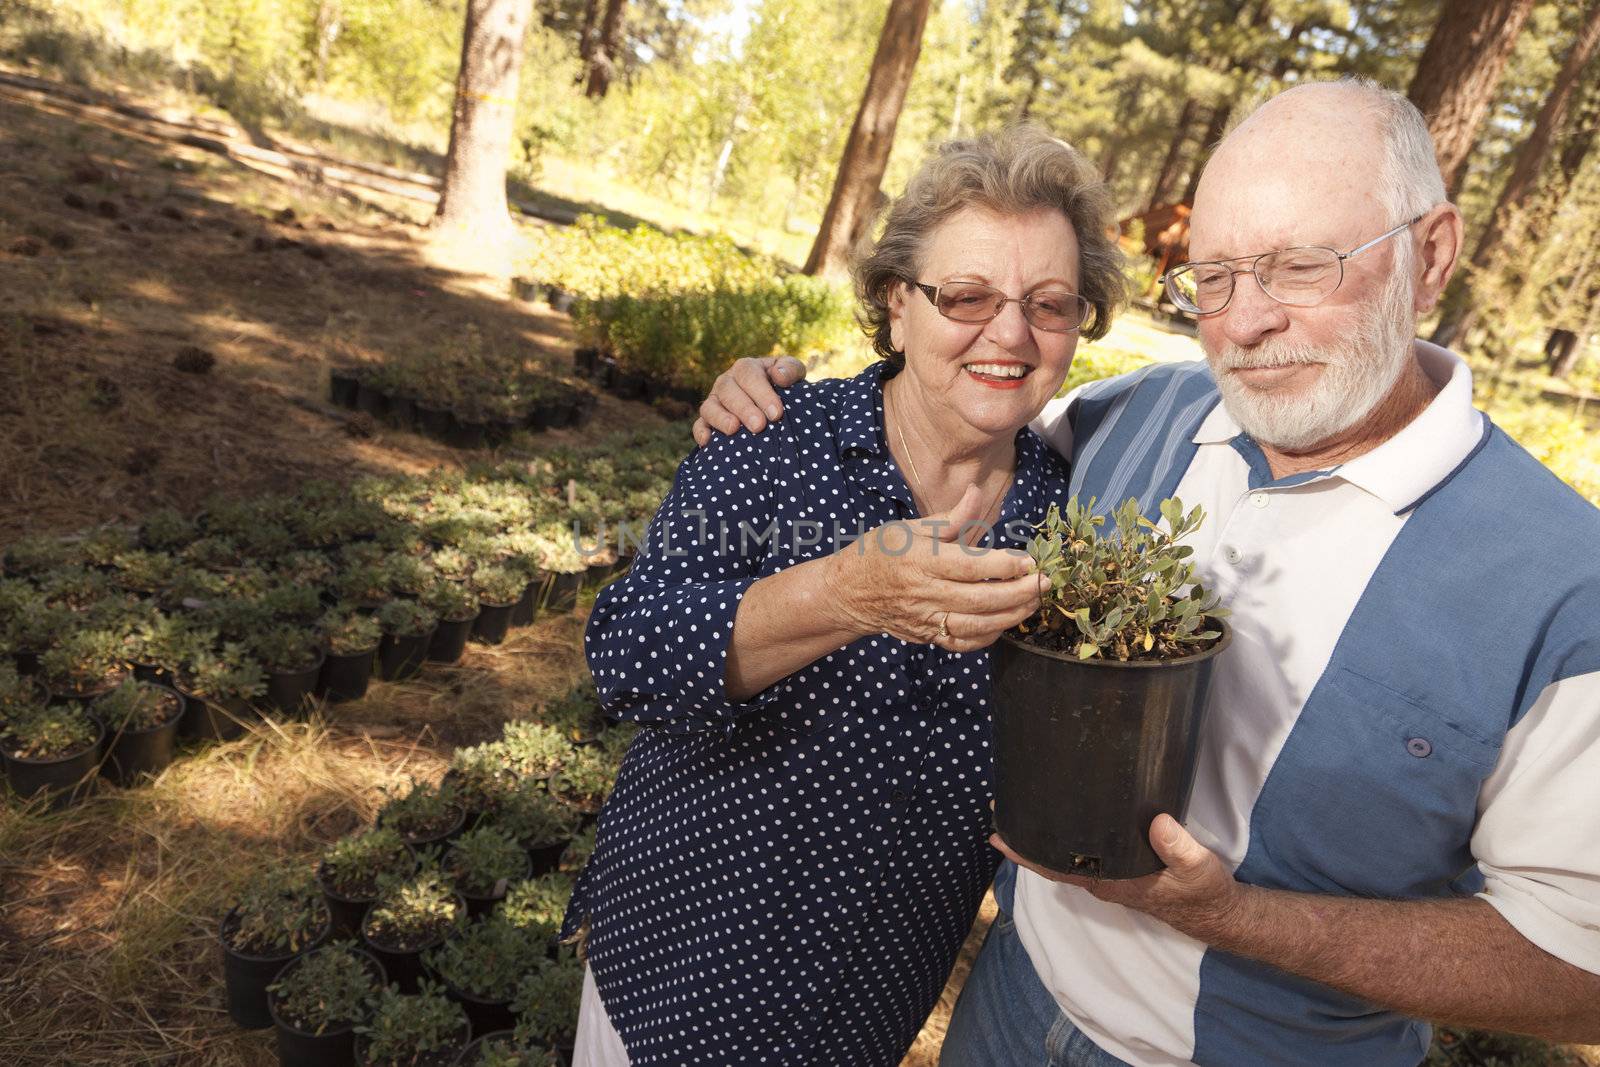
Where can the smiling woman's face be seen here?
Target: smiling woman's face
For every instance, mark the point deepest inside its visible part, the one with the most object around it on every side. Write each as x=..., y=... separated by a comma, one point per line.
x=995, y=376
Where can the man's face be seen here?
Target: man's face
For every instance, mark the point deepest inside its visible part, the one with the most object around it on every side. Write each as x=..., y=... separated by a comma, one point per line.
x=1293, y=377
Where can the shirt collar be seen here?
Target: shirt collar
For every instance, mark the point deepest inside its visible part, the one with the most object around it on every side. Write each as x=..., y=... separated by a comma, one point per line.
x=1411, y=464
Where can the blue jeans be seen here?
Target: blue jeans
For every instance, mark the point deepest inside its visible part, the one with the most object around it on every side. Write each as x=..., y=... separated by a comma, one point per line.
x=1005, y=1017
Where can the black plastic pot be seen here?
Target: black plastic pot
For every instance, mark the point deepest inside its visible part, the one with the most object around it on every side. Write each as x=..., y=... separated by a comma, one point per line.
x=343, y=385
x=346, y=677
x=153, y=673
x=605, y=372
x=403, y=412
x=213, y=720
x=291, y=692
x=246, y=978
x=1088, y=752
x=561, y=301
x=348, y=912
x=486, y=1016
x=372, y=400
x=498, y=431
x=27, y=661
x=466, y=433
x=483, y=904
x=130, y=754
x=583, y=410
x=90, y=695
x=400, y=656
x=432, y=421
x=64, y=781
x=584, y=360
x=335, y=1047
x=535, y=421
x=629, y=385
x=494, y=620
x=440, y=837
x=561, y=593
x=543, y=859
x=450, y=639
x=526, y=609
x=404, y=966
x=526, y=290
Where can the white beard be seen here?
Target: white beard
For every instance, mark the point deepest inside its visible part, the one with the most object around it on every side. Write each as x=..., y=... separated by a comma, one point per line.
x=1357, y=374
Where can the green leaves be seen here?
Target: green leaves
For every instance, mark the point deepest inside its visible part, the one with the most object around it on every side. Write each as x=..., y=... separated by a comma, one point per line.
x=1127, y=594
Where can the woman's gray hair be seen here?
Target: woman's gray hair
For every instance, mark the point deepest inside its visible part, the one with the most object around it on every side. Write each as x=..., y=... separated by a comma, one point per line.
x=1014, y=171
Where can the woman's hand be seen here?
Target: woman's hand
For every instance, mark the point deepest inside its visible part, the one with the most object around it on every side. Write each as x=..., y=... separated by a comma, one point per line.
x=908, y=578
x=743, y=395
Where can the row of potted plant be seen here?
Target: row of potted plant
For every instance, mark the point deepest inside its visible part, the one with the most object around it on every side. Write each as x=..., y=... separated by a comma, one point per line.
x=455, y=898
x=670, y=310
x=470, y=402
x=270, y=603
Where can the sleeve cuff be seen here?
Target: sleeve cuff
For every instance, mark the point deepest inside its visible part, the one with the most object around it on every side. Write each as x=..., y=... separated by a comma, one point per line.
x=1521, y=904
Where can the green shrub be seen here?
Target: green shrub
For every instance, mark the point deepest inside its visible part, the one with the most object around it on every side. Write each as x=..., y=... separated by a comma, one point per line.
x=281, y=911
x=354, y=866
x=483, y=858
x=349, y=632
x=227, y=675
x=547, y=1002
x=48, y=732
x=135, y=705
x=406, y=618
x=413, y=910
x=488, y=959
x=332, y=987
x=537, y=904
x=404, y=1028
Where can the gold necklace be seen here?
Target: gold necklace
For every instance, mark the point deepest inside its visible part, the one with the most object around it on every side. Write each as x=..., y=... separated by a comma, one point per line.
x=916, y=477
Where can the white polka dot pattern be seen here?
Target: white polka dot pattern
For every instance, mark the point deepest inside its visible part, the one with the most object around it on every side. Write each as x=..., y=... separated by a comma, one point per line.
x=787, y=879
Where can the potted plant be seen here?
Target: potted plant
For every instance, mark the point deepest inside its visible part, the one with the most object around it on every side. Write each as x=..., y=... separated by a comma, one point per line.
x=363, y=585
x=318, y=1000
x=84, y=664
x=292, y=658
x=353, y=637
x=578, y=715
x=279, y=915
x=546, y=1004
x=424, y=815
x=484, y=861
x=538, y=822
x=584, y=782
x=482, y=966
x=538, y=905
x=19, y=693
x=219, y=689
x=142, y=721
x=407, y=631
x=160, y=645
x=453, y=564
x=426, y=1029
x=576, y=857
x=480, y=777
x=344, y=384
x=32, y=629
x=499, y=589
x=1098, y=697
x=50, y=749
x=503, y=1049
x=292, y=599
x=457, y=608
x=352, y=868
x=532, y=749
x=31, y=556
x=410, y=916
x=565, y=565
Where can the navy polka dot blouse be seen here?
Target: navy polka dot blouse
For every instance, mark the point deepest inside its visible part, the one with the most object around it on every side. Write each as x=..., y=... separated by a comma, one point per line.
x=786, y=879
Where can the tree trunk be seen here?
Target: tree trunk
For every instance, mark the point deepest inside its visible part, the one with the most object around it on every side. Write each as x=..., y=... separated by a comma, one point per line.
x=1161, y=192
x=1219, y=122
x=472, y=197
x=866, y=152
x=1535, y=151
x=1459, y=70
x=603, y=56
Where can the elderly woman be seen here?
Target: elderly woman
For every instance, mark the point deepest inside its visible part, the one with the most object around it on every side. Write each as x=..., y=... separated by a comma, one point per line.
x=797, y=842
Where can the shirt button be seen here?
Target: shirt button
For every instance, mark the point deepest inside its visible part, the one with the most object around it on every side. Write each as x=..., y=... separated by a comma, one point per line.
x=1419, y=747
x=1260, y=500
x=1232, y=554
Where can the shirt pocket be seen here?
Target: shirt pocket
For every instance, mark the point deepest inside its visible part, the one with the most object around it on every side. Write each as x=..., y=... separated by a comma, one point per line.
x=1373, y=794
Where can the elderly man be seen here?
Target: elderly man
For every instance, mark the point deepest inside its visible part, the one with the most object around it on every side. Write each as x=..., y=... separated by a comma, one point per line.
x=1396, y=815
